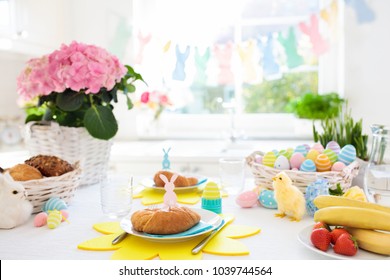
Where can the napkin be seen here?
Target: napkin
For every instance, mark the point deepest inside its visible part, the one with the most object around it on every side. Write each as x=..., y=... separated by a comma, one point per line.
x=198, y=228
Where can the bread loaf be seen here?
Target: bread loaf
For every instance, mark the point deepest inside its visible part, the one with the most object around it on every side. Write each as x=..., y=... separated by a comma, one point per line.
x=181, y=181
x=49, y=165
x=24, y=172
x=158, y=221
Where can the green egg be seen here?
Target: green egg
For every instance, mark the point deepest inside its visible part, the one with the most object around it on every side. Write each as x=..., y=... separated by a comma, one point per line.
x=331, y=155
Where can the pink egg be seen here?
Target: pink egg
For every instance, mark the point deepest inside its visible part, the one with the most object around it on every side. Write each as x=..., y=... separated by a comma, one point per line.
x=296, y=160
x=40, y=219
x=318, y=147
x=259, y=159
x=338, y=166
x=65, y=215
x=247, y=199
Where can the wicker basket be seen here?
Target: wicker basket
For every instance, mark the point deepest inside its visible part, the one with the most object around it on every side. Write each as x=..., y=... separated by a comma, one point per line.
x=263, y=175
x=63, y=187
x=73, y=144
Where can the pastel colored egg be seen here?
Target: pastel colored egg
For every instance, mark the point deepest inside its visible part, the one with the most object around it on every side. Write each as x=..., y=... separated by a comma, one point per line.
x=312, y=154
x=331, y=155
x=54, y=203
x=334, y=146
x=54, y=219
x=301, y=149
x=290, y=152
x=296, y=160
x=276, y=152
x=318, y=147
x=307, y=147
x=267, y=199
x=338, y=166
x=308, y=166
x=259, y=159
x=283, y=153
x=282, y=163
x=323, y=163
x=347, y=154
x=65, y=215
x=40, y=219
x=269, y=159
x=247, y=199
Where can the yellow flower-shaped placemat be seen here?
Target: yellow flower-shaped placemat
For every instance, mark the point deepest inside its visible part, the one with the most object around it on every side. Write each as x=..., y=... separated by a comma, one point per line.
x=149, y=196
x=137, y=248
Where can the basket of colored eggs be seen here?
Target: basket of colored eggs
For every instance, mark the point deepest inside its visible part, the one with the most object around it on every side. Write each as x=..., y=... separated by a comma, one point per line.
x=305, y=164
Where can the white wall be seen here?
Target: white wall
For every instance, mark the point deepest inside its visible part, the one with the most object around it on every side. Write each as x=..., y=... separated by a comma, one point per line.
x=367, y=62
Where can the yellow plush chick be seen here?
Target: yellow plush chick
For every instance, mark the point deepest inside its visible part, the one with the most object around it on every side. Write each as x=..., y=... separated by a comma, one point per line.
x=290, y=199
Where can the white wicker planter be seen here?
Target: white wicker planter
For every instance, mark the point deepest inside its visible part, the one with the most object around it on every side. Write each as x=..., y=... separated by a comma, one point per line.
x=73, y=144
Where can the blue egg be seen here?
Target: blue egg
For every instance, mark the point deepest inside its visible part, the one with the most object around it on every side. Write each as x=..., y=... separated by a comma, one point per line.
x=276, y=152
x=54, y=203
x=318, y=187
x=267, y=199
x=301, y=149
x=308, y=166
x=347, y=154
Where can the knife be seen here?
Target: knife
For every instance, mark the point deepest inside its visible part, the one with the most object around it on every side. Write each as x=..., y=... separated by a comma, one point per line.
x=119, y=238
x=206, y=240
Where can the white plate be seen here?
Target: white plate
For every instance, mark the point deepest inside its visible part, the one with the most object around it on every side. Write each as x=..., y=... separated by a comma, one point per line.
x=304, y=238
x=207, y=217
x=148, y=183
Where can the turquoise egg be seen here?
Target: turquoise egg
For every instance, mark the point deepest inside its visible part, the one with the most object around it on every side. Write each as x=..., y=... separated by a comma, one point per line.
x=332, y=156
x=308, y=166
x=347, y=154
x=267, y=199
x=54, y=203
x=301, y=149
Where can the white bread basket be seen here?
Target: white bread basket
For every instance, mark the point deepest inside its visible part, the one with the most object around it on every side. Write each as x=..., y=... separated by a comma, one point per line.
x=73, y=144
x=63, y=187
x=263, y=175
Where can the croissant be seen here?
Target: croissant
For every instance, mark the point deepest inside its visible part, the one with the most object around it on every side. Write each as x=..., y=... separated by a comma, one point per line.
x=158, y=221
x=181, y=181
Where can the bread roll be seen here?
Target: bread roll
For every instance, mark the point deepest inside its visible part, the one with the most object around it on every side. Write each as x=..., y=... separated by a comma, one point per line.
x=181, y=181
x=158, y=221
x=50, y=165
x=24, y=172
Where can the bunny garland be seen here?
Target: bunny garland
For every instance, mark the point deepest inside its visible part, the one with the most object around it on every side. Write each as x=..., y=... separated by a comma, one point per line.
x=143, y=41
x=170, y=197
x=224, y=55
x=320, y=45
x=181, y=57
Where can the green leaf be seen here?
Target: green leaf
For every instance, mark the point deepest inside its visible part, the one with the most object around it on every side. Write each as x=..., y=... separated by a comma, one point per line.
x=33, y=117
x=70, y=100
x=130, y=88
x=130, y=104
x=100, y=122
x=338, y=191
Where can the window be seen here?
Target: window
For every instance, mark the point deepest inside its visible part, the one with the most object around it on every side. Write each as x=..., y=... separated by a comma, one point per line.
x=236, y=64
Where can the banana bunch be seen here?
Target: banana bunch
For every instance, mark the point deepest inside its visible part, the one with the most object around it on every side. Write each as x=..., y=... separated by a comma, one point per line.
x=368, y=222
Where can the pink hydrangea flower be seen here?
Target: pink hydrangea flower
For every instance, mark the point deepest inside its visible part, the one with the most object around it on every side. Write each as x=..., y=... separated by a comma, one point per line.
x=76, y=66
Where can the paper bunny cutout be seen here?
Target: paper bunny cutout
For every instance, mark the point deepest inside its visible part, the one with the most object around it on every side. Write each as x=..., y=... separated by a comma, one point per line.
x=201, y=65
x=320, y=45
x=363, y=12
x=143, y=41
x=178, y=73
x=224, y=57
x=170, y=197
x=166, y=164
x=249, y=61
x=290, y=46
x=271, y=67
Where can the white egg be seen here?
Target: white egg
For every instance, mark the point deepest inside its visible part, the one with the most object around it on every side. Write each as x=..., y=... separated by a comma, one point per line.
x=282, y=163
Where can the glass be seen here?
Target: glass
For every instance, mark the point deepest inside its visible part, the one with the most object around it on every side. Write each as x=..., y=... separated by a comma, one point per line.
x=377, y=175
x=232, y=175
x=116, y=195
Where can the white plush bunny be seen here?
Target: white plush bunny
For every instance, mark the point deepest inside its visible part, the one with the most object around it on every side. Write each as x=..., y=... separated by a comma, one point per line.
x=170, y=197
x=15, y=209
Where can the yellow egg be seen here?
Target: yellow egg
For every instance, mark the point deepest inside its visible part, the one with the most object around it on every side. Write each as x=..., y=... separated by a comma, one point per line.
x=312, y=154
x=323, y=163
x=269, y=159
